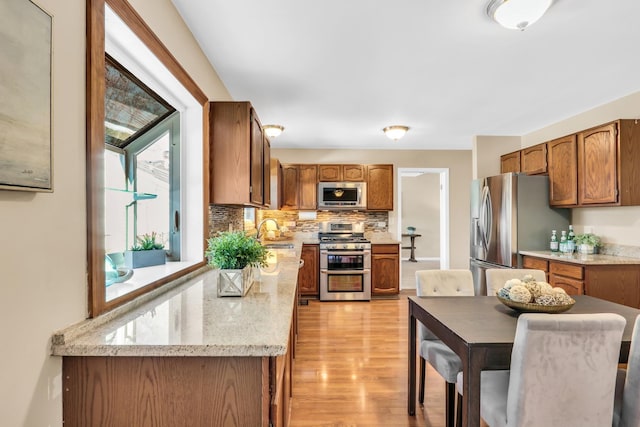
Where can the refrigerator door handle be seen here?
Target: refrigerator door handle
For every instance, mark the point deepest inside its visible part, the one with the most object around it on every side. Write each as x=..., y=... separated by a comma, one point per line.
x=485, y=222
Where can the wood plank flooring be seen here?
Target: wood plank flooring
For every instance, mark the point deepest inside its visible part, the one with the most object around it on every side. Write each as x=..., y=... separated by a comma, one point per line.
x=351, y=367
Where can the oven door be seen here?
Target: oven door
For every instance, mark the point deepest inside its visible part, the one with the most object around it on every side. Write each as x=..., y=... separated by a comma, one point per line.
x=345, y=285
x=345, y=260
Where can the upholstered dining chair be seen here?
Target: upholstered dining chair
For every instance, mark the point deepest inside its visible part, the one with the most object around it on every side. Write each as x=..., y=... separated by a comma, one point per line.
x=496, y=277
x=563, y=373
x=626, y=410
x=437, y=283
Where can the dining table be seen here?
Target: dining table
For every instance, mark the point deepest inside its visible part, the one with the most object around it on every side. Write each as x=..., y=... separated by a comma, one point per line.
x=481, y=330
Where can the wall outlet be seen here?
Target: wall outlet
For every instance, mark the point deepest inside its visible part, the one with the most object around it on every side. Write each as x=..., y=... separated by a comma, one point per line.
x=382, y=224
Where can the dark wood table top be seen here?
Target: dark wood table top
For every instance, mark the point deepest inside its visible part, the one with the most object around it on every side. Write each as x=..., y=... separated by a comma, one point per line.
x=485, y=320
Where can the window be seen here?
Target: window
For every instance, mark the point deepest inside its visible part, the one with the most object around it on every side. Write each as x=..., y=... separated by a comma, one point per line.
x=145, y=157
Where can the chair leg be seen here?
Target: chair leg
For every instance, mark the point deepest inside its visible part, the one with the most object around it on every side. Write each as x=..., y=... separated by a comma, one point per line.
x=459, y=411
x=422, y=376
x=450, y=399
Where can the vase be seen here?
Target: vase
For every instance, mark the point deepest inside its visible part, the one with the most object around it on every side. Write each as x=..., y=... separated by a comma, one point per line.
x=586, y=249
x=235, y=283
x=139, y=259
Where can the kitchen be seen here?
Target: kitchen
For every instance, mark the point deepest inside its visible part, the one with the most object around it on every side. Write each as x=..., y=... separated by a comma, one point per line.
x=54, y=295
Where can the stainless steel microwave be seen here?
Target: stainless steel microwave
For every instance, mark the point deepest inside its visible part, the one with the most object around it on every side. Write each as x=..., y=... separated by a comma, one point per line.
x=342, y=195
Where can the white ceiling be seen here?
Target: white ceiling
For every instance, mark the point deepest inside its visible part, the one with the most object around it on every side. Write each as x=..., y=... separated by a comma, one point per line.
x=335, y=72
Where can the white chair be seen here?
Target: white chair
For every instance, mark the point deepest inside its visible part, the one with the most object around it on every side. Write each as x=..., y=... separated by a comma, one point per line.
x=437, y=283
x=626, y=412
x=563, y=373
x=496, y=277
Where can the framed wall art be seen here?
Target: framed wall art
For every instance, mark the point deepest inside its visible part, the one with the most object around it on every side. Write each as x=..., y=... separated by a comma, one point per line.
x=25, y=97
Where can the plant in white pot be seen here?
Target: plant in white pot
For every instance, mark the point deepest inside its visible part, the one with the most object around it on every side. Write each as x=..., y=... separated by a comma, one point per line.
x=148, y=251
x=235, y=254
x=587, y=243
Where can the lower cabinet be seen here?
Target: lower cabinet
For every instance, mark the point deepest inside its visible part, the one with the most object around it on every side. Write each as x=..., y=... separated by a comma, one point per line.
x=385, y=269
x=308, y=275
x=611, y=282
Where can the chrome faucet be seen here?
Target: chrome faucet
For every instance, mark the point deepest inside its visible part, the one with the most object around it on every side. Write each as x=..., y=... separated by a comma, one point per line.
x=262, y=223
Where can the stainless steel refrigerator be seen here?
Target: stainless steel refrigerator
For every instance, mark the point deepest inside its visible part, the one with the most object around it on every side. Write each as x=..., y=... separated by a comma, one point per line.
x=509, y=213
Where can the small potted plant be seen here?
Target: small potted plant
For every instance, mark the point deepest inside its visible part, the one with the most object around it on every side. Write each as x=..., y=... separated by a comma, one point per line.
x=235, y=254
x=587, y=243
x=147, y=251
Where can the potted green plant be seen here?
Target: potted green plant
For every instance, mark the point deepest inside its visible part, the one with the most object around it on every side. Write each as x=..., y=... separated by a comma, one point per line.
x=147, y=251
x=587, y=243
x=234, y=254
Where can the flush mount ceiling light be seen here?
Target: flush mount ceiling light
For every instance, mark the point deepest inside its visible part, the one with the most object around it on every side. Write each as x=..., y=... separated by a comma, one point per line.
x=395, y=132
x=517, y=14
x=272, y=130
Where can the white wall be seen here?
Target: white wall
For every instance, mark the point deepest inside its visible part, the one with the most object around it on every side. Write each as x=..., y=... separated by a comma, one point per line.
x=421, y=208
x=458, y=162
x=43, y=249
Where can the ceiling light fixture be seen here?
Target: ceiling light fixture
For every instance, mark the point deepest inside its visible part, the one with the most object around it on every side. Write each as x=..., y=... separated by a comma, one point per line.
x=272, y=131
x=395, y=132
x=517, y=14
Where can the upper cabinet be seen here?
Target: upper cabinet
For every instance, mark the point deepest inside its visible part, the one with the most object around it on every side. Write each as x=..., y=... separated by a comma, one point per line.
x=240, y=156
x=534, y=159
x=510, y=162
x=299, y=187
x=332, y=173
x=563, y=173
x=609, y=165
x=380, y=187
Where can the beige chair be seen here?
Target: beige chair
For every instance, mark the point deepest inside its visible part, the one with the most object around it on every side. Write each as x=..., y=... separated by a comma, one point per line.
x=496, y=277
x=437, y=283
x=563, y=373
x=626, y=411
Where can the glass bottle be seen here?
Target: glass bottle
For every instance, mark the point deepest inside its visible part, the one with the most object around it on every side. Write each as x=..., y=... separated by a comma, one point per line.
x=571, y=243
x=553, y=245
x=563, y=242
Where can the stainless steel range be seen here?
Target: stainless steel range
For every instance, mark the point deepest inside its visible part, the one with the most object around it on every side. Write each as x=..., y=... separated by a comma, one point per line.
x=345, y=263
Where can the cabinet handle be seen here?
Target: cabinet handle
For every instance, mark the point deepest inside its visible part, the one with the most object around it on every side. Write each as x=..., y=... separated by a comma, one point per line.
x=176, y=221
x=301, y=264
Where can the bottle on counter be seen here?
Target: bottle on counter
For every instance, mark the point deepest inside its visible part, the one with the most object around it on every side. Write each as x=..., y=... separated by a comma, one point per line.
x=563, y=242
x=553, y=244
x=571, y=240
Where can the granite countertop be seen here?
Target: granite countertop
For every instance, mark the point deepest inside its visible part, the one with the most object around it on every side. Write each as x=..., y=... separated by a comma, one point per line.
x=583, y=259
x=190, y=320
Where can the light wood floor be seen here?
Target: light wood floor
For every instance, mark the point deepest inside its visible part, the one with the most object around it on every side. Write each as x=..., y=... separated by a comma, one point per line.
x=351, y=367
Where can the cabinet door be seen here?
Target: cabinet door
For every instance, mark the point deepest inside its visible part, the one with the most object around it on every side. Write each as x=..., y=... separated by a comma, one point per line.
x=510, y=162
x=257, y=161
x=329, y=173
x=289, y=187
x=380, y=187
x=616, y=283
x=571, y=286
x=534, y=159
x=308, y=274
x=597, y=165
x=563, y=175
x=385, y=269
x=308, y=187
x=353, y=173
x=266, y=173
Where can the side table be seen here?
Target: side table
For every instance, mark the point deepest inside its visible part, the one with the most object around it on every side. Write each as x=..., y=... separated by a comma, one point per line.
x=412, y=236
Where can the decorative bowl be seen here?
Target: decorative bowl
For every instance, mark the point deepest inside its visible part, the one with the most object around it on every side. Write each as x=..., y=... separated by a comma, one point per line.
x=411, y=230
x=530, y=307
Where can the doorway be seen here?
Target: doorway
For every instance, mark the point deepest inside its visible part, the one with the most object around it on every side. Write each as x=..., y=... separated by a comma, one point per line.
x=423, y=204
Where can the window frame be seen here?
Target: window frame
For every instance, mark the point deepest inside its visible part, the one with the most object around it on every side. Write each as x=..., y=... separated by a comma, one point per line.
x=95, y=133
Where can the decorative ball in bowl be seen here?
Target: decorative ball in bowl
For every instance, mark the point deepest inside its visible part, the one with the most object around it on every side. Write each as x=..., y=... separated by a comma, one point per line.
x=411, y=230
x=530, y=296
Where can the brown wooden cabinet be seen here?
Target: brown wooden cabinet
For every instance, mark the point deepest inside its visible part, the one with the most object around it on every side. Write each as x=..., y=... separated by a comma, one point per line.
x=299, y=187
x=534, y=159
x=350, y=173
x=308, y=275
x=563, y=173
x=609, y=164
x=618, y=283
x=385, y=269
x=380, y=187
x=510, y=162
x=239, y=155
